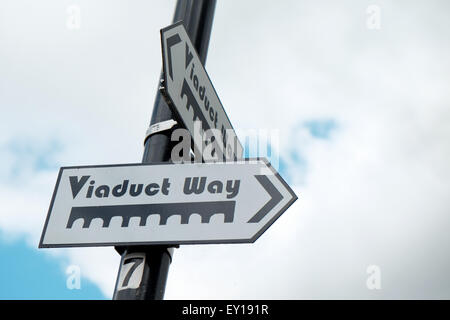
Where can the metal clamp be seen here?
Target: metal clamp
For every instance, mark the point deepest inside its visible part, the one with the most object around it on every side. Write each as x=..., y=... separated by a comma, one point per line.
x=158, y=127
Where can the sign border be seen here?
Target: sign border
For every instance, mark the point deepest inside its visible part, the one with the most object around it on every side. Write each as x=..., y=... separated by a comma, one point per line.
x=138, y=243
x=169, y=101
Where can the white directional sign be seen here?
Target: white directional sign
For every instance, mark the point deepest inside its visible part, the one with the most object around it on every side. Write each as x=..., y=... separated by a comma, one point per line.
x=165, y=204
x=191, y=95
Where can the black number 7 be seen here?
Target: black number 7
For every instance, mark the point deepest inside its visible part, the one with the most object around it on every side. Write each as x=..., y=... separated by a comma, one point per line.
x=137, y=262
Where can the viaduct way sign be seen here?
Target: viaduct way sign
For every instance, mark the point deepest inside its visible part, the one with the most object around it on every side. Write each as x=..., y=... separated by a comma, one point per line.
x=191, y=96
x=226, y=202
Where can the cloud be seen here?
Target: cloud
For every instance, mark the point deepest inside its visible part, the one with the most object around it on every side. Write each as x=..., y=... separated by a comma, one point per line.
x=374, y=191
x=27, y=183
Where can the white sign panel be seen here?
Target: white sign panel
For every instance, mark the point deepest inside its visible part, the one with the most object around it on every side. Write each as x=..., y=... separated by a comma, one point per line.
x=190, y=94
x=165, y=204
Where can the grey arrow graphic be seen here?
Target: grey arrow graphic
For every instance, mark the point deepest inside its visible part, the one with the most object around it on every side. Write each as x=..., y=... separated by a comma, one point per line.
x=275, y=195
x=171, y=41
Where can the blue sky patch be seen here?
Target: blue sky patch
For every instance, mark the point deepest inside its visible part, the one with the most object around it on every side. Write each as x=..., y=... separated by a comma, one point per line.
x=27, y=273
x=28, y=155
x=293, y=167
x=320, y=129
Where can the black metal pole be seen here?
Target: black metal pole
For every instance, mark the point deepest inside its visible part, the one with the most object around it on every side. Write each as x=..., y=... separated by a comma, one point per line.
x=143, y=269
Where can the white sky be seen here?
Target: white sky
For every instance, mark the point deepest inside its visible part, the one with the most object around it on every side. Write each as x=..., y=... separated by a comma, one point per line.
x=374, y=193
